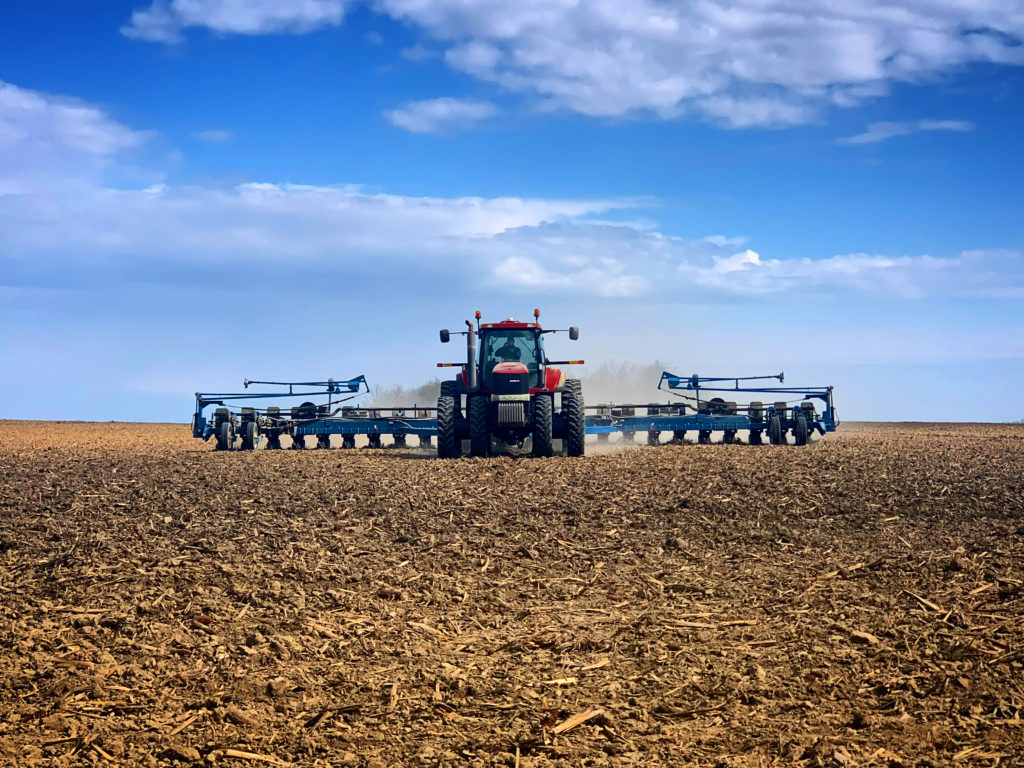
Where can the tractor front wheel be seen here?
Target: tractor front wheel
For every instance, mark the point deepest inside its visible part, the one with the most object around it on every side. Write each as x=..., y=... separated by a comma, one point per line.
x=479, y=431
x=543, y=407
x=447, y=446
x=451, y=389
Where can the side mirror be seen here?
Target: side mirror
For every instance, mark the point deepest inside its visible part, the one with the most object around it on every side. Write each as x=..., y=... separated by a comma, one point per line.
x=445, y=336
x=574, y=333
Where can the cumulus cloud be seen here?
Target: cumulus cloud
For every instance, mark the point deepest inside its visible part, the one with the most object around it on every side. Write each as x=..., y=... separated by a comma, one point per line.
x=739, y=62
x=164, y=20
x=48, y=140
x=29, y=119
x=608, y=260
x=883, y=131
x=509, y=245
x=443, y=115
x=83, y=231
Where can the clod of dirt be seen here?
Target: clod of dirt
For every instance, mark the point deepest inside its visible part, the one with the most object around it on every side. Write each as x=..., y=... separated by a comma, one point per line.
x=180, y=753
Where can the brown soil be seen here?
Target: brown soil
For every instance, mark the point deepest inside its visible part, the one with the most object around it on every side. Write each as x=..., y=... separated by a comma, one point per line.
x=858, y=602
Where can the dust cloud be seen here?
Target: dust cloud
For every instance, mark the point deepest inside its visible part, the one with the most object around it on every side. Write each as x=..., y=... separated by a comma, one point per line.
x=609, y=382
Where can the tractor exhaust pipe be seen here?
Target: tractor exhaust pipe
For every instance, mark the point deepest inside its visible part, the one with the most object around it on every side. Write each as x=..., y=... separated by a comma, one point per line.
x=471, y=372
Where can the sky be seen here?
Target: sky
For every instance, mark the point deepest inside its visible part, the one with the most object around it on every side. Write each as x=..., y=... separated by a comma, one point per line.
x=197, y=191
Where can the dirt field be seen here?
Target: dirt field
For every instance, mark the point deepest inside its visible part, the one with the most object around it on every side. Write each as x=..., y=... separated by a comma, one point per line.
x=858, y=602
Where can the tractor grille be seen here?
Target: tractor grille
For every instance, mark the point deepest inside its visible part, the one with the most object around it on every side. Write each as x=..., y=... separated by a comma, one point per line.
x=511, y=414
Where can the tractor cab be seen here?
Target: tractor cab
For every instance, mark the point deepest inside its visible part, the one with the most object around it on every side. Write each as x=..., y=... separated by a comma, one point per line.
x=511, y=348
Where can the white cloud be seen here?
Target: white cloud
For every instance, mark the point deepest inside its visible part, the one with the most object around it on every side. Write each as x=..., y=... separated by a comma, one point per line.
x=883, y=131
x=30, y=119
x=79, y=231
x=739, y=62
x=443, y=115
x=508, y=245
x=48, y=140
x=214, y=135
x=584, y=258
x=164, y=20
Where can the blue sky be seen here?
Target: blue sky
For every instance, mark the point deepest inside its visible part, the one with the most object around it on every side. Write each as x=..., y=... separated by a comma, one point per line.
x=194, y=191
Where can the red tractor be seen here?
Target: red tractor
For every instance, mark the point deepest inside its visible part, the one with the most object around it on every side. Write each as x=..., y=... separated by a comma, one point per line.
x=508, y=394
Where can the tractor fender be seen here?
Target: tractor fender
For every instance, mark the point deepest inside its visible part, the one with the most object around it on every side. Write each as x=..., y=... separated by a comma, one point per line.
x=554, y=378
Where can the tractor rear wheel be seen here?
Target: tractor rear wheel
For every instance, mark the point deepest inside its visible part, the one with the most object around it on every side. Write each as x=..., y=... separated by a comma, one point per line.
x=543, y=407
x=775, y=436
x=800, y=431
x=447, y=446
x=479, y=431
x=575, y=419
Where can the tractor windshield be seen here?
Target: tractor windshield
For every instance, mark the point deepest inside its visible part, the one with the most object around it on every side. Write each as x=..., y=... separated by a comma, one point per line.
x=512, y=346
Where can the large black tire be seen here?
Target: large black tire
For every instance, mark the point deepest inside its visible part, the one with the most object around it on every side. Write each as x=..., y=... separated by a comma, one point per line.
x=479, y=431
x=450, y=389
x=447, y=445
x=775, y=431
x=543, y=408
x=226, y=437
x=575, y=418
x=252, y=431
x=800, y=431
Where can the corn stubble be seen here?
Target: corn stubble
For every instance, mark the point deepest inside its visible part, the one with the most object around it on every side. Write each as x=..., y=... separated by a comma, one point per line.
x=857, y=602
